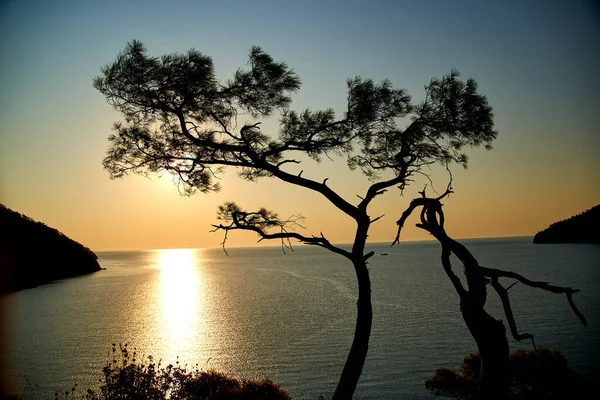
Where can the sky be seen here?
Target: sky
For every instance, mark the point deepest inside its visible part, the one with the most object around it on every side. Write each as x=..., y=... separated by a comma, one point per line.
x=536, y=61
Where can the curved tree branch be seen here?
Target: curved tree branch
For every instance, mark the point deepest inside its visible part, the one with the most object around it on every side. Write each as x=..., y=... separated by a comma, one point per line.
x=432, y=220
x=418, y=202
x=510, y=319
x=260, y=221
x=494, y=274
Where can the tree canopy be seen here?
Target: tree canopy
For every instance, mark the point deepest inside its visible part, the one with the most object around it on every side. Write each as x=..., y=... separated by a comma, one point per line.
x=181, y=119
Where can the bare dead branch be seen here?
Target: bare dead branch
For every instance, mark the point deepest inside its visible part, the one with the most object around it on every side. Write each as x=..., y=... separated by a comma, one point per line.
x=224, y=241
x=424, y=202
x=378, y=218
x=496, y=273
x=575, y=309
x=279, y=164
x=413, y=204
x=510, y=319
x=447, y=265
x=432, y=220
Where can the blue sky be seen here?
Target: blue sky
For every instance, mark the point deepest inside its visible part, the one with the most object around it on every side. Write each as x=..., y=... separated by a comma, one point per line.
x=537, y=62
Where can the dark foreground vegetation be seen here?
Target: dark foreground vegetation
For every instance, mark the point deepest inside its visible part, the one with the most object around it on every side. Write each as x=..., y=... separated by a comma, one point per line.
x=32, y=253
x=125, y=377
x=534, y=374
x=581, y=228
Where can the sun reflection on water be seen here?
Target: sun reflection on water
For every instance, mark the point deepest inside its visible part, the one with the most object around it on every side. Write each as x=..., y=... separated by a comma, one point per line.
x=181, y=293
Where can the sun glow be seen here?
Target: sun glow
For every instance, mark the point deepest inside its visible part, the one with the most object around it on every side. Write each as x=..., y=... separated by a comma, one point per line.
x=181, y=298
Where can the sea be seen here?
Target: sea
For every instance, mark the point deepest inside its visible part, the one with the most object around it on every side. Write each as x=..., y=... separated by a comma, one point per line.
x=289, y=316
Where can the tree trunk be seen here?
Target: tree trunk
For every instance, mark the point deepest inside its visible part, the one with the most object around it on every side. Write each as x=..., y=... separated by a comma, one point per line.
x=489, y=333
x=360, y=345
x=490, y=336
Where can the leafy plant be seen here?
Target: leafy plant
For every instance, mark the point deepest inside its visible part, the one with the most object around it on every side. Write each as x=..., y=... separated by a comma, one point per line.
x=124, y=377
x=534, y=374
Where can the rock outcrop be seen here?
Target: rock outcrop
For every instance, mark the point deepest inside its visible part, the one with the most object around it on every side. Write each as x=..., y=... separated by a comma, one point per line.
x=32, y=253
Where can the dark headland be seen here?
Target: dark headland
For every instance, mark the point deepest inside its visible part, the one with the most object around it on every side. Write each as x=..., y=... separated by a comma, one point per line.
x=32, y=253
x=581, y=228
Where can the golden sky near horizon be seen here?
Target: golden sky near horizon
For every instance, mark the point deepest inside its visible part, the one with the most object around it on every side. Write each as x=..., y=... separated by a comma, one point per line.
x=536, y=63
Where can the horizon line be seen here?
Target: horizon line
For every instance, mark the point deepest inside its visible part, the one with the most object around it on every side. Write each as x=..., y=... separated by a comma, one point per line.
x=257, y=245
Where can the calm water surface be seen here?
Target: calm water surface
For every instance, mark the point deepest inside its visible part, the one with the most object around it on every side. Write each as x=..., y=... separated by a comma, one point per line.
x=261, y=314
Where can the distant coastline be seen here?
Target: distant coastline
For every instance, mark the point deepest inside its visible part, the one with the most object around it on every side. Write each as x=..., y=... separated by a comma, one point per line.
x=581, y=228
x=32, y=253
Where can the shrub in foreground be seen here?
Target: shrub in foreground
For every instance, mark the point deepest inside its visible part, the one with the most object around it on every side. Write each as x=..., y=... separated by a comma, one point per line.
x=130, y=379
x=535, y=374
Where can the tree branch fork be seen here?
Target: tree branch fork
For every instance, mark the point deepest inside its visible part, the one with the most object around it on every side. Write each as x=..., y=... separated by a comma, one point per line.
x=432, y=221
